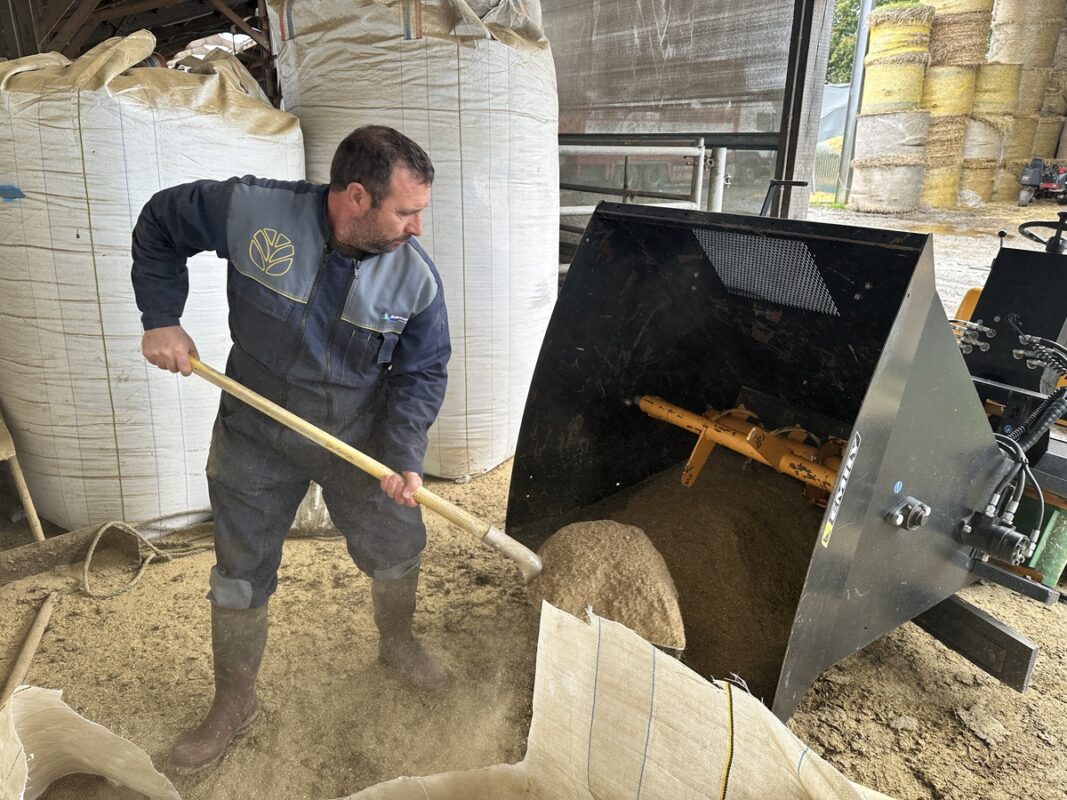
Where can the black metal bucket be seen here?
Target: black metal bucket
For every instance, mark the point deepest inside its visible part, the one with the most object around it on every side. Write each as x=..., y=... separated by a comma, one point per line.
x=836, y=329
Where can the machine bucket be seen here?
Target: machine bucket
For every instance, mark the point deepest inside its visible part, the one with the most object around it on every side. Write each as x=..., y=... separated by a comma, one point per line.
x=832, y=329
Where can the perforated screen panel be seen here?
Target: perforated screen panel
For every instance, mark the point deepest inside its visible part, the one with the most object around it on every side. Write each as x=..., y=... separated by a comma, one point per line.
x=780, y=271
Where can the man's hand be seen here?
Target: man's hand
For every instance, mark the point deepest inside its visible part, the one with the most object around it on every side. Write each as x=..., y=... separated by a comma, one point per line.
x=169, y=348
x=402, y=489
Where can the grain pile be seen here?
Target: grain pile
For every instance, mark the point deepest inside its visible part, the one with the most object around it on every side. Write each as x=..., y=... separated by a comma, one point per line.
x=738, y=544
x=615, y=570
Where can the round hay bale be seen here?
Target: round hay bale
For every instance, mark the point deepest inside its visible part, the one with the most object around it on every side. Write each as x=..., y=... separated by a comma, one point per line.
x=959, y=6
x=1032, y=85
x=900, y=134
x=1014, y=10
x=996, y=89
x=976, y=182
x=886, y=185
x=1031, y=41
x=1055, y=103
x=893, y=85
x=1059, y=61
x=941, y=184
x=959, y=39
x=984, y=137
x=1017, y=145
x=1061, y=149
x=1006, y=182
x=944, y=142
x=899, y=31
x=1047, y=136
x=949, y=91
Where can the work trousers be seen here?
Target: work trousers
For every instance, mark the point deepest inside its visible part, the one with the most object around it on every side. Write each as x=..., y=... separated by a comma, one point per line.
x=258, y=473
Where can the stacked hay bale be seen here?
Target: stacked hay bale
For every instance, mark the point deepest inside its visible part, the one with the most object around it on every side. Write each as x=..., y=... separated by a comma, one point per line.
x=958, y=39
x=995, y=98
x=892, y=129
x=1026, y=32
x=1056, y=92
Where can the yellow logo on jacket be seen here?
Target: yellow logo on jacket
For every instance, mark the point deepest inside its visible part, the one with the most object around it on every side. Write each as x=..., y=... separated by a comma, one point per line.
x=271, y=252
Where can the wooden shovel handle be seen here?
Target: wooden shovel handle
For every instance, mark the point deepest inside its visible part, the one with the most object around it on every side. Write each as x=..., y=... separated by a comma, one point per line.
x=527, y=560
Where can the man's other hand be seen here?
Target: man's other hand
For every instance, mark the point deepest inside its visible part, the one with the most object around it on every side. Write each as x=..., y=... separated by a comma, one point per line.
x=169, y=348
x=401, y=488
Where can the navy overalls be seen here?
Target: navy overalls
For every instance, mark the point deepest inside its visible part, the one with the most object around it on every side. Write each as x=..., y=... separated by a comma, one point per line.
x=356, y=347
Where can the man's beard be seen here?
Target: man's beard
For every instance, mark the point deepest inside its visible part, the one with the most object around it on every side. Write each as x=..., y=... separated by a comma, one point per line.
x=370, y=241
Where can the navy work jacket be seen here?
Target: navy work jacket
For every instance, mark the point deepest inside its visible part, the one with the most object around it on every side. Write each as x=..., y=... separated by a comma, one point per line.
x=356, y=346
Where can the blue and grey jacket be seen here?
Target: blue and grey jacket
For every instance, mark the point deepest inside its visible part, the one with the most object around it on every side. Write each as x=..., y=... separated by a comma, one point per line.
x=356, y=346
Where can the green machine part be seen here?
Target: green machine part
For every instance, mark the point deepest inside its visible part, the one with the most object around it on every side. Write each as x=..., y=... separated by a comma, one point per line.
x=1051, y=555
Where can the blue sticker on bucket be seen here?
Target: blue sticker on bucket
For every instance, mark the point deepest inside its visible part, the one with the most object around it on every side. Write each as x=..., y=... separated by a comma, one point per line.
x=9, y=193
x=897, y=487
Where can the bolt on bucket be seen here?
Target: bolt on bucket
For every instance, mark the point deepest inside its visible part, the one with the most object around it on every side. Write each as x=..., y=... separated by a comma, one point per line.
x=782, y=407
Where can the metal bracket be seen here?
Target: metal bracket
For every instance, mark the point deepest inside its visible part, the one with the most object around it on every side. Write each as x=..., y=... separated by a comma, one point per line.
x=908, y=514
x=1017, y=583
x=983, y=640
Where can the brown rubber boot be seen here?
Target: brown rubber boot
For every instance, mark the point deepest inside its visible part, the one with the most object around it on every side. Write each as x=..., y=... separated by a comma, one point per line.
x=238, y=637
x=398, y=649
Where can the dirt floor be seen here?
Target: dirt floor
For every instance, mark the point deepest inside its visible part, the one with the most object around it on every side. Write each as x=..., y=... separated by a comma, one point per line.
x=905, y=715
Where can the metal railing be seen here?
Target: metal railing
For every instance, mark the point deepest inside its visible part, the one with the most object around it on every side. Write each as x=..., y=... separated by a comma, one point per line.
x=691, y=149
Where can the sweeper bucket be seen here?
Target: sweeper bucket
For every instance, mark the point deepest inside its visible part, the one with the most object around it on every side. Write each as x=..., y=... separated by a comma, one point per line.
x=783, y=408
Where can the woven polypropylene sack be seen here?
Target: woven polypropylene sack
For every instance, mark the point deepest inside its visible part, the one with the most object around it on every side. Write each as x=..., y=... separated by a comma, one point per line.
x=479, y=93
x=101, y=434
x=614, y=719
x=42, y=739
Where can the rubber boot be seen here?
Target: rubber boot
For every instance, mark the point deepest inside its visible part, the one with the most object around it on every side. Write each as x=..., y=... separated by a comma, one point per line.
x=398, y=649
x=238, y=637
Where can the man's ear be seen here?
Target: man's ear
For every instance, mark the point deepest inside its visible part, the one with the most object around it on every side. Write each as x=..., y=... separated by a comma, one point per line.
x=358, y=198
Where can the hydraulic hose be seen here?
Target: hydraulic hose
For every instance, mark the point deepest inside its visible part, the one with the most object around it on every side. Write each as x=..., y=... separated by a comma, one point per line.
x=1055, y=409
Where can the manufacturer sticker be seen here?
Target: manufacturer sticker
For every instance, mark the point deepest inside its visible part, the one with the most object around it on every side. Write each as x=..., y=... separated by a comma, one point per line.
x=842, y=485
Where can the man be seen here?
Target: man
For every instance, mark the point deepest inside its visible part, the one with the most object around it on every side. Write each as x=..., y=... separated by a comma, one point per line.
x=336, y=313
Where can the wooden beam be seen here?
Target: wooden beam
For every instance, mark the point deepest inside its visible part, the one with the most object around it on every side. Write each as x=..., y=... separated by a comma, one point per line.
x=244, y=27
x=73, y=25
x=50, y=18
x=129, y=9
x=66, y=548
x=76, y=46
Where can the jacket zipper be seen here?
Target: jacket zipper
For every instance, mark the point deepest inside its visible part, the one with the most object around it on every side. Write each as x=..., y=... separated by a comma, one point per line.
x=329, y=341
x=303, y=324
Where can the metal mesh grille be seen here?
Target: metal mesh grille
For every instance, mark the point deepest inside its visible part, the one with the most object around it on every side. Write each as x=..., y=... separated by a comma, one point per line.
x=780, y=271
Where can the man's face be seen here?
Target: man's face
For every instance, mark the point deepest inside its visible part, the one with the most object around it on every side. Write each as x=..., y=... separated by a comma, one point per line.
x=396, y=219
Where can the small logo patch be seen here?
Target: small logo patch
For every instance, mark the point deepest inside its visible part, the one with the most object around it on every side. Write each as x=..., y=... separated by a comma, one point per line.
x=394, y=318
x=272, y=252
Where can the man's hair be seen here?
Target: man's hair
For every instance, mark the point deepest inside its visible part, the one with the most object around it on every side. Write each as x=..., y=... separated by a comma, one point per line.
x=368, y=156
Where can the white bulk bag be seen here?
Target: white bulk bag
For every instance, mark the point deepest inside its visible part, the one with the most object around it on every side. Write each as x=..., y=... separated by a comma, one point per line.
x=479, y=93
x=101, y=434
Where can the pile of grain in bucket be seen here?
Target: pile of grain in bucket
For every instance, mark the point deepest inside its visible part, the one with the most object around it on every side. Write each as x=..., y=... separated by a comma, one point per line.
x=615, y=570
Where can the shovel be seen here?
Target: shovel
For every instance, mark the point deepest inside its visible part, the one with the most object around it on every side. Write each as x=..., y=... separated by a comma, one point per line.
x=528, y=562
x=616, y=571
